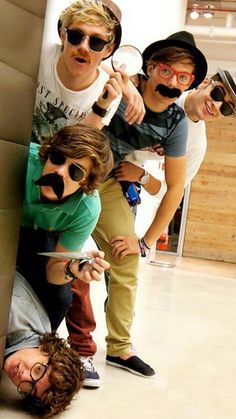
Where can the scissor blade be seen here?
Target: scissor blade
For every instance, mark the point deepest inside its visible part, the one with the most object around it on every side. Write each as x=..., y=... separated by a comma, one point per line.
x=67, y=255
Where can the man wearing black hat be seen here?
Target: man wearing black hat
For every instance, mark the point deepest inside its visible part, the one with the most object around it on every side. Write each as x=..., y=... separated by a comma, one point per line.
x=170, y=66
x=213, y=99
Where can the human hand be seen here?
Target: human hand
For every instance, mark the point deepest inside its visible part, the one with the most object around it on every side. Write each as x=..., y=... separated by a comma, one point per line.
x=124, y=245
x=158, y=149
x=113, y=87
x=92, y=270
x=128, y=171
x=135, y=109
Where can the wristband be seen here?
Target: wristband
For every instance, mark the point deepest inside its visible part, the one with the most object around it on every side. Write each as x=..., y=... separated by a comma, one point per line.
x=98, y=110
x=142, y=239
x=69, y=276
x=142, y=248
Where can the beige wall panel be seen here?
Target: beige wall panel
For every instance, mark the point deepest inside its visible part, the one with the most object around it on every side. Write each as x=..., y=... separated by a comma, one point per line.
x=16, y=105
x=211, y=218
x=6, y=286
x=19, y=35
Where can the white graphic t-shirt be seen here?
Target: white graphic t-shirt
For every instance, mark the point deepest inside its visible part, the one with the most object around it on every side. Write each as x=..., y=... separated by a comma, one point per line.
x=56, y=106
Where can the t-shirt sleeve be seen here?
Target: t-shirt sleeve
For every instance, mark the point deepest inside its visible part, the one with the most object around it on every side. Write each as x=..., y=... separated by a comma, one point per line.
x=175, y=145
x=82, y=225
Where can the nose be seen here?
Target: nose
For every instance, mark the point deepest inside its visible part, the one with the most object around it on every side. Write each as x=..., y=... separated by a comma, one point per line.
x=62, y=170
x=173, y=82
x=85, y=42
x=24, y=373
x=217, y=104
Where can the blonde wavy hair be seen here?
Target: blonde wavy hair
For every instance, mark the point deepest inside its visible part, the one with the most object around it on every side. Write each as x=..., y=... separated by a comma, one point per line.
x=89, y=11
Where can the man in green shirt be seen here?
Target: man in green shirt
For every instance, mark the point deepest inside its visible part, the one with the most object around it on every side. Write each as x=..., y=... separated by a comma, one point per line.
x=60, y=210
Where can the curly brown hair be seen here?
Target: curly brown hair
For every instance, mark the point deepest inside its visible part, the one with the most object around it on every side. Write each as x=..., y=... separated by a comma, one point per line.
x=66, y=377
x=78, y=141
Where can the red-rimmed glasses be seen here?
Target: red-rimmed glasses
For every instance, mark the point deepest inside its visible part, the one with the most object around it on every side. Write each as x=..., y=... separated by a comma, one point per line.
x=166, y=71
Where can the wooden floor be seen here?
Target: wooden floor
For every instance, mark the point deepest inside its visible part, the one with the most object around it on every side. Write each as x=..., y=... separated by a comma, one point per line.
x=185, y=328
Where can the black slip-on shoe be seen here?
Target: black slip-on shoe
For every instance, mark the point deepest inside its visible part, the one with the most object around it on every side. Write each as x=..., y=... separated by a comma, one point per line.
x=133, y=364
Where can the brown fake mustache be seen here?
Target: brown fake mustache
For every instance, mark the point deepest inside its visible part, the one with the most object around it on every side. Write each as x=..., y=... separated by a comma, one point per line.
x=55, y=181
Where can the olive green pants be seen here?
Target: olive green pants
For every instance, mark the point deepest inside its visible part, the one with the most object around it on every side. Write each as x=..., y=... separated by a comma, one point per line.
x=116, y=218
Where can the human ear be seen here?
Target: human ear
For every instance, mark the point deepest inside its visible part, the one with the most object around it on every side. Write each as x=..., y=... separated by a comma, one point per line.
x=150, y=69
x=204, y=83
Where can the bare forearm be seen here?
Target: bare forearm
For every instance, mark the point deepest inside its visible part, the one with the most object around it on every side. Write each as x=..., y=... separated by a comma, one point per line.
x=164, y=215
x=55, y=272
x=94, y=120
x=153, y=186
x=128, y=171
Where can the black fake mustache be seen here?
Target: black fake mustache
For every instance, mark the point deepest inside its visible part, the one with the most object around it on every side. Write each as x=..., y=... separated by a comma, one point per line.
x=167, y=92
x=55, y=181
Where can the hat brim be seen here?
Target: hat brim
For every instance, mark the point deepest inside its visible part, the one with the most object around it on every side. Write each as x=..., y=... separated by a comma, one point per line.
x=201, y=63
x=229, y=82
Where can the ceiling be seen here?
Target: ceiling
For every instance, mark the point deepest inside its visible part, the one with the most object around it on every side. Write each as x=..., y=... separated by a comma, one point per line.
x=216, y=37
x=221, y=10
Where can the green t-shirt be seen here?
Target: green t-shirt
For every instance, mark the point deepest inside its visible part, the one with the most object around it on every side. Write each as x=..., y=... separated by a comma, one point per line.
x=75, y=219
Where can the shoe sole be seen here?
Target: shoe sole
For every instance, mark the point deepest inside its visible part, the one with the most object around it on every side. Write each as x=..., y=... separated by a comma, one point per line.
x=91, y=383
x=113, y=364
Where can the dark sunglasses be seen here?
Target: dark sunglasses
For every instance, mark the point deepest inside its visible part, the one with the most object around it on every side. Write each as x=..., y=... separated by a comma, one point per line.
x=218, y=94
x=75, y=171
x=76, y=37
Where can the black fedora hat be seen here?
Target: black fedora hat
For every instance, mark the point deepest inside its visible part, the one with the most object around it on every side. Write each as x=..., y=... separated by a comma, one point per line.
x=182, y=39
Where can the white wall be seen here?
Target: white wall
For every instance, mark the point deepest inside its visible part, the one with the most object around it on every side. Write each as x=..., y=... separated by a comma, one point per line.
x=150, y=20
x=142, y=24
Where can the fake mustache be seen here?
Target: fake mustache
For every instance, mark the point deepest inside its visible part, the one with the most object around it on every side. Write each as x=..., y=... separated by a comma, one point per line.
x=84, y=56
x=167, y=92
x=55, y=181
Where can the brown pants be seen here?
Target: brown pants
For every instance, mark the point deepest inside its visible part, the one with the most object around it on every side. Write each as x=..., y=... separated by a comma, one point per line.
x=80, y=320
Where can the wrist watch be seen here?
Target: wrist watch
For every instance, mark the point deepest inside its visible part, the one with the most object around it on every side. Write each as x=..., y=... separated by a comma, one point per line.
x=144, y=178
x=98, y=110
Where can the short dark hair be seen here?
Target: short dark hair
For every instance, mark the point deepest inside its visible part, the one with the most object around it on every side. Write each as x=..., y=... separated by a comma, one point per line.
x=78, y=141
x=66, y=377
x=170, y=55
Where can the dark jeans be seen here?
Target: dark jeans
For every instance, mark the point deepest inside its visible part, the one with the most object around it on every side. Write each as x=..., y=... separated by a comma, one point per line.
x=56, y=299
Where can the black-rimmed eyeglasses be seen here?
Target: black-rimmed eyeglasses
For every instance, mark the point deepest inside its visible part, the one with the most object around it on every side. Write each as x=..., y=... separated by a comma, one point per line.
x=25, y=388
x=76, y=37
x=75, y=171
x=218, y=95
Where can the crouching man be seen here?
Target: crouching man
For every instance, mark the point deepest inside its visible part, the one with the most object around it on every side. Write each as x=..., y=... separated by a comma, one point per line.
x=45, y=370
